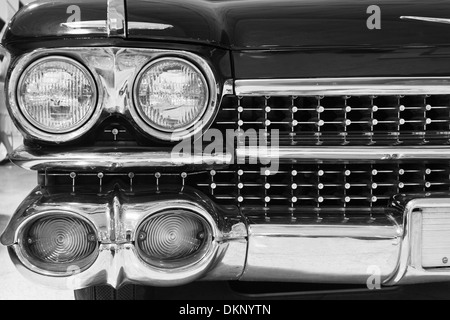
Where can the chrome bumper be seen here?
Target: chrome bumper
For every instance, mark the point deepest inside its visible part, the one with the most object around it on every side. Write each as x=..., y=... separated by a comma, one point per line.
x=350, y=252
x=322, y=253
x=116, y=216
x=111, y=159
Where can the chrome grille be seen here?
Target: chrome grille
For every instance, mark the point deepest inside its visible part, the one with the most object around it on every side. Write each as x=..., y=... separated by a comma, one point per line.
x=341, y=191
x=343, y=120
x=298, y=191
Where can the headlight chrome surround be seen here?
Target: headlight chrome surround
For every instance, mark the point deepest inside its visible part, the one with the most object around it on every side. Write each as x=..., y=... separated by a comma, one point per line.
x=201, y=122
x=73, y=63
x=29, y=129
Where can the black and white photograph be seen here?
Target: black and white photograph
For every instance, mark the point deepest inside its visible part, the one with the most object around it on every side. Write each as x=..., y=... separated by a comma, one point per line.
x=226, y=155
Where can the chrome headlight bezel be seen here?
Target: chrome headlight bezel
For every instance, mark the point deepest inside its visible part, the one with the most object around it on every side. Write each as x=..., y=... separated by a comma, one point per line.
x=201, y=122
x=86, y=73
x=33, y=130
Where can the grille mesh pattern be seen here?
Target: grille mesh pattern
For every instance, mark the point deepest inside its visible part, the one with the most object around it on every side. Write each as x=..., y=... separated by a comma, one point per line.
x=341, y=121
x=340, y=191
x=325, y=190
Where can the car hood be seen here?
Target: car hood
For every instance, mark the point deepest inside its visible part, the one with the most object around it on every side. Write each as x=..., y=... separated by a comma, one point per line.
x=267, y=39
x=245, y=24
x=305, y=38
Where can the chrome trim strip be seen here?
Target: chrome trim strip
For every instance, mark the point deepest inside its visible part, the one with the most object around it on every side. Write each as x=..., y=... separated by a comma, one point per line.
x=426, y=19
x=228, y=88
x=292, y=154
x=330, y=231
x=342, y=86
x=111, y=159
x=86, y=27
x=133, y=25
x=116, y=24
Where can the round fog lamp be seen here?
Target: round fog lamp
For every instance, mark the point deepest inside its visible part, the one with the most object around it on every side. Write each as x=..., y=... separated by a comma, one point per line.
x=56, y=243
x=174, y=239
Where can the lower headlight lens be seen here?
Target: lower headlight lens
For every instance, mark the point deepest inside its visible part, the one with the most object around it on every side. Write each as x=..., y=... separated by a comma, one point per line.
x=55, y=243
x=57, y=94
x=171, y=94
x=174, y=239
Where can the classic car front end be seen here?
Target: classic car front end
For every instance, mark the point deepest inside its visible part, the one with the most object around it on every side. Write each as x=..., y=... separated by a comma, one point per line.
x=181, y=141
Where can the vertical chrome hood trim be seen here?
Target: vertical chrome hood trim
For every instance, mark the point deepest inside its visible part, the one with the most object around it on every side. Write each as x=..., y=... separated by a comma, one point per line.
x=116, y=23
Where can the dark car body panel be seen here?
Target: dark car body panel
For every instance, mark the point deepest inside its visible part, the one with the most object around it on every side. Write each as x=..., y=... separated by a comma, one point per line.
x=269, y=39
x=307, y=38
x=342, y=62
x=45, y=19
x=257, y=24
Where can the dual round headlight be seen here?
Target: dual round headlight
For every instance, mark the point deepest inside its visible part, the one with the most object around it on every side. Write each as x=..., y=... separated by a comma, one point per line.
x=171, y=94
x=58, y=95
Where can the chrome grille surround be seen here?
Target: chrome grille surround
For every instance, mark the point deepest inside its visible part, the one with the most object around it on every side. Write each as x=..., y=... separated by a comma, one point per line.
x=344, y=112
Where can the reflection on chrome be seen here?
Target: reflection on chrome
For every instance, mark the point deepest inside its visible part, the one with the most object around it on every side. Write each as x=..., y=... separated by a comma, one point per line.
x=343, y=86
x=148, y=26
x=86, y=27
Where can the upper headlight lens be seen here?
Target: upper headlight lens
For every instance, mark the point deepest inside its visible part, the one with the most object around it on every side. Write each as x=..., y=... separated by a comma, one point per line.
x=57, y=94
x=171, y=94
